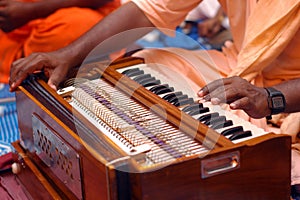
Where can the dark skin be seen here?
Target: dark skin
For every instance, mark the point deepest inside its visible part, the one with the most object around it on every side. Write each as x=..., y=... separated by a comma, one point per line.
x=240, y=94
x=56, y=64
x=210, y=27
x=14, y=14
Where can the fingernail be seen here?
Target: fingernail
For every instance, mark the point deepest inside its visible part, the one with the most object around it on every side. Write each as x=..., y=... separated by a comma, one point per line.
x=53, y=87
x=11, y=87
x=200, y=93
x=233, y=105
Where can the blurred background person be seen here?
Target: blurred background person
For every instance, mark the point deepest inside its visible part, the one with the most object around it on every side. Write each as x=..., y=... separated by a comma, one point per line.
x=28, y=26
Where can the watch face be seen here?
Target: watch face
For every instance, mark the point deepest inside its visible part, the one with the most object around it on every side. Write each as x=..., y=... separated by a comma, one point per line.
x=277, y=102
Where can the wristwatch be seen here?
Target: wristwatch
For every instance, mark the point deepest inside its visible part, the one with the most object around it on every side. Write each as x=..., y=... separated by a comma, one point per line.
x=276, y=101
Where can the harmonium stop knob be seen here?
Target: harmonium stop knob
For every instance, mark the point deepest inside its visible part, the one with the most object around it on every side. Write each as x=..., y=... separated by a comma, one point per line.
x=16, y=168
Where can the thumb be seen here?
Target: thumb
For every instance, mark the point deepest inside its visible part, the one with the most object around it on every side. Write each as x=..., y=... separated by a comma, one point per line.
x=56, y=77
x=53, y=86
x=242, y=103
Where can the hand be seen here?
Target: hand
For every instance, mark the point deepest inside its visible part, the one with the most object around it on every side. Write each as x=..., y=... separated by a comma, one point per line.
x=239, y=94
x=209, y=27
x=14, y=14
x=54, y=65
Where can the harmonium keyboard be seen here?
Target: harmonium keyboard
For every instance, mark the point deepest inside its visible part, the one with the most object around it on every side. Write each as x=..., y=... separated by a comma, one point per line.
x=128, y=131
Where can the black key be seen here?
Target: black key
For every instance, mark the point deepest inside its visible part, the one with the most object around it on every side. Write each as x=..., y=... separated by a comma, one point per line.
x=148, y=82
x=232, y=130
x=139, y=78
x=222, y=124
x=208, y=116
x=215, y=120
x=198, y=111
x=133, y=72
x=164, y=90
x=182, y=102
x=167, y=97
x=192, y=107
x=175, y=99
x=158, y=87
x=239, y=135
x=130, y=70
x=161, y=89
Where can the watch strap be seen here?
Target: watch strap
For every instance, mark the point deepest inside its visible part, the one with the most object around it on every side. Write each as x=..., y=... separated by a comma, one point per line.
x=276, y=101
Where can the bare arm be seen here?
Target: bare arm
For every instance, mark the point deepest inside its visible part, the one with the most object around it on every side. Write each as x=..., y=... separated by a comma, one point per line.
x=56, y=64
x=240, y=94
x=291, y=91
x=14, y=14
x=45, y=7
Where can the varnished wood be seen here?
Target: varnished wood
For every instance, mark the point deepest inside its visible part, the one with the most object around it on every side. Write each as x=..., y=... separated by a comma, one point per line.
x=93, y=172
x=32, y=178
x=261, y=176
x=264, y=161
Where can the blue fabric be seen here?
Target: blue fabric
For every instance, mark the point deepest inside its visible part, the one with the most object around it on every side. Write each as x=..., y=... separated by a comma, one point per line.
x=190, y=41
x=180, y=40
x=8, y=119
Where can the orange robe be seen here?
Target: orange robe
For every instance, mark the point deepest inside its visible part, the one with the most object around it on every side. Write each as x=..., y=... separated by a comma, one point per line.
x=264, y=41
x=265, y=50
x=264, y=53
x=48, y=34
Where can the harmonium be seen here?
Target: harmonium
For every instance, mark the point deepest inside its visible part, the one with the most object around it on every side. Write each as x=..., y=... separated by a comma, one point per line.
x=125, y=130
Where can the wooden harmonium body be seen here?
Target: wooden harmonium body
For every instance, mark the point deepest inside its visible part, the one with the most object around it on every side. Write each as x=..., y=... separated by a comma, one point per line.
x=134, y=133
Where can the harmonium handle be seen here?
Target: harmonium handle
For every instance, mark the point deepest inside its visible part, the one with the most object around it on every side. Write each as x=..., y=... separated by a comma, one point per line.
x=220, y=164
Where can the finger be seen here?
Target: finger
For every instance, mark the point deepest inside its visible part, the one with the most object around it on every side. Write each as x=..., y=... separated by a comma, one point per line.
x=217, y=95
x=53, y=85
x=251, y=109
x=16, y=82
x=220, y=86
x=21, y=69
x=14, y=71
x=16, y=68
x=226, y=94
x=56, y=77
x=242, y=103
x=18, y=61
x=210, y=87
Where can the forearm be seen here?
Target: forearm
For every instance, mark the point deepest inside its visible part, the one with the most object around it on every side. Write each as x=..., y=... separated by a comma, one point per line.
x=127, y=17
x=82, y=3
x=291, y=91
x=44, y=8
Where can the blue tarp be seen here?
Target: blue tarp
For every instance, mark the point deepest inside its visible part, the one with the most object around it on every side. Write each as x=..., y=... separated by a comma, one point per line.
x=9, y=131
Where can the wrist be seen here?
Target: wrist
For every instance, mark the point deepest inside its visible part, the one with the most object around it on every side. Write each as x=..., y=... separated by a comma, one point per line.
x=276, y=101
x=266, y=111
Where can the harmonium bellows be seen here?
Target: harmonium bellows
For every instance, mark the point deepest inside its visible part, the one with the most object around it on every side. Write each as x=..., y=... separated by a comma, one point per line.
x=128, y=131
